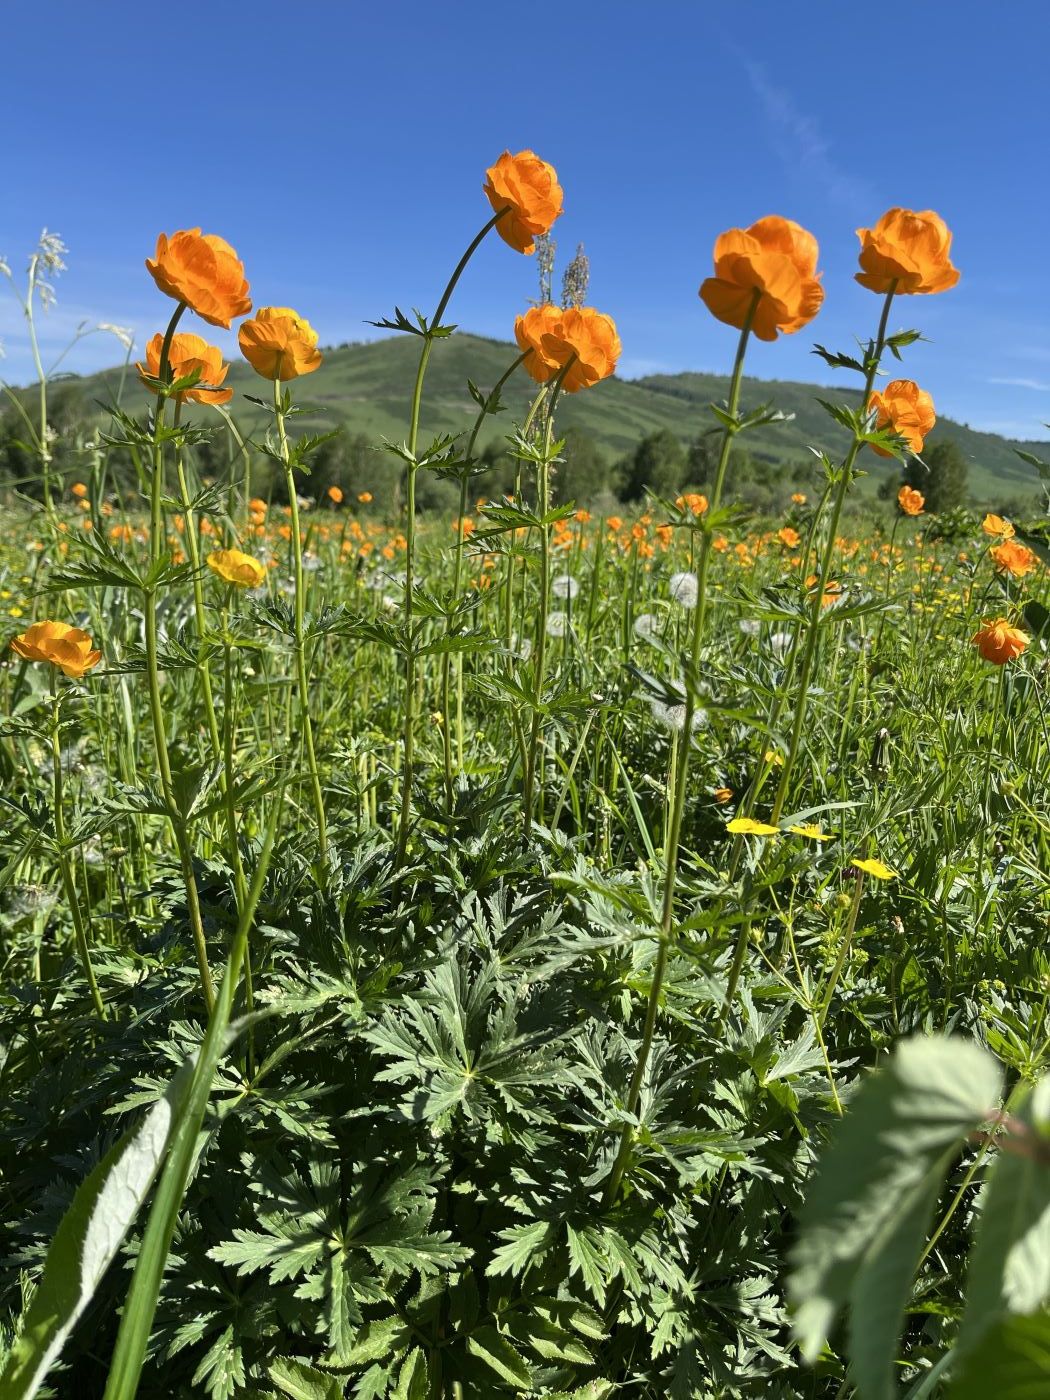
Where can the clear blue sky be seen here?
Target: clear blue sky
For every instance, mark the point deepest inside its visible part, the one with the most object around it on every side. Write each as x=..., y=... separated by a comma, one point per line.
x=340, y=147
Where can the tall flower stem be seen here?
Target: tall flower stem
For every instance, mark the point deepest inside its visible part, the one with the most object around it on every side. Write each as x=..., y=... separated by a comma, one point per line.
x=298, y=629
x=542, y=507
x=457, y=584
x=175, y=818
x=408, y=732
x=679, y=780
x=813, y=627
x=79, y=930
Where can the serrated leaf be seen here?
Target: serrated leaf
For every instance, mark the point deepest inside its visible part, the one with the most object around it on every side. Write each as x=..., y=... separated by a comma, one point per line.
x=304, y=1382
x=412, y=1383
x=500, y=1356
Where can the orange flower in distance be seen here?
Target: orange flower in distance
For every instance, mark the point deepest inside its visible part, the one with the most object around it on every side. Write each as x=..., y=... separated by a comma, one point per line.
x=908, y=249
x=202, y=270
x=905, y=408
x=580, y=341
x=279, y=344
x=1013, y=558
x=910, y=501
x=528, y=189
x=999, y=642
x=335, y=494
x=79, y=490
x=798, y=498
x=991, y=525
x=364, y=497
x=242, y=570
x=789, y=537
x=186, y=354
x=775, y=258
x=56, y=642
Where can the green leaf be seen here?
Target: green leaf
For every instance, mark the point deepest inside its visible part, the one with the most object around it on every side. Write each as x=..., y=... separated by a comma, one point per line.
x=865, y=1218
x=496, y=1352
x=412, y=1383
x=88, y=1239
x=303, y=1382
x=1009, y=1269
x=1016, y=1352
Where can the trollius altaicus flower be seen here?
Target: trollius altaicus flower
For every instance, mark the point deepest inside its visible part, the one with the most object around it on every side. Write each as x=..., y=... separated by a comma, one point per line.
x=279, y=344
x=242, y=570
x=202, y=270
x=580, y=341
x=908, y=251
x=998, y=641
x=188, y=353
x=906, y=409
x=910, y=501
x=528, y=189
x=775, y=259
x=69, y=648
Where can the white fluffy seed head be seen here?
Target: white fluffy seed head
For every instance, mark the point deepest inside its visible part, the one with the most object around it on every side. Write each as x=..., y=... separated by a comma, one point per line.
x=683, y=589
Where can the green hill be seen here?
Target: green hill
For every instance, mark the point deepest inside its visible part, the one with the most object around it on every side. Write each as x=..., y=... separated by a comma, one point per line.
x=367, y=388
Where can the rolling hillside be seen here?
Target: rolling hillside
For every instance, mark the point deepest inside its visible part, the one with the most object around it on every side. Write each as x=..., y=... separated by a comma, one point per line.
x=367, y=388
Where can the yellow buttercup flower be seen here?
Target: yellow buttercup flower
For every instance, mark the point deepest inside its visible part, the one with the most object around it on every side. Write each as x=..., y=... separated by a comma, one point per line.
x=814, y=833
x=876, y=869
x=747, y=826
x=232, y=566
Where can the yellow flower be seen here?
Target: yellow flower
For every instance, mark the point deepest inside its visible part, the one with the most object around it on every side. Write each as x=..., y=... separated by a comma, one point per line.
x=876, y=869
x=64, y=646
x=746, y=826
x=237, y=568
x=813, y=832
x=771, y=756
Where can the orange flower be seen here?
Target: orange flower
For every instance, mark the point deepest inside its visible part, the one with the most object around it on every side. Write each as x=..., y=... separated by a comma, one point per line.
x=797, y=498
x=335, y=494
x=905, y=408
x=908, y=249
x=202, y=270
x=580, y=341
x=723, y=795
x=279, y=344
x=775, y=258
x=232, y=566
x=789, y=537
x=582, y=517
x=79, y=489
x=186, y=354
x=693, y=501
x=998, y=642
x=56, y=642
x=991, y=525
x=910, y=501
x=528, y=189
x=1013, y=558
x=364, y=497
x=614, y=523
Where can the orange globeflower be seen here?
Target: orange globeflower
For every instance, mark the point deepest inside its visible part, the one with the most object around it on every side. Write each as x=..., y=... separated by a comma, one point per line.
x=56, y=642
x=798, y=498
x=789, y=537
x=279, y=344
x=910, y=501
x=905, y=408
x=1013, y=558
x=79, y=489
x=999, y=642
x=335, y=494
x=908, y=249
x=186, y=354
x=776, y=258
x=528, y=188
x=991, y=525
x=580, y=341
x=364, y=497
x=202, y=270
x=232, y=566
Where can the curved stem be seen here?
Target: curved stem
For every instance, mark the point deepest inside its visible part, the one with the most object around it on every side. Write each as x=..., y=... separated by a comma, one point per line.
x=64, y=866
x=680, y=780
x=302, y=680
x=408, y=729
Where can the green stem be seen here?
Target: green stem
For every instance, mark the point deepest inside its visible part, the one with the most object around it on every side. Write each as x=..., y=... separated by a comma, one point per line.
x=813, y=629
x=680, y=778
x=64, y=866
x=302, y=680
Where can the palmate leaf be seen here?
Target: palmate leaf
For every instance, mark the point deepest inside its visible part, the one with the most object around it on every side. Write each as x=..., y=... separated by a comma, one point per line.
x=868, y=1210
x=301, y=1381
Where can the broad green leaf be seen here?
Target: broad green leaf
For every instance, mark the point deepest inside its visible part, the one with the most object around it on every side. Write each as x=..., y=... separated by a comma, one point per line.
x=866, y=1215
x=304, y=1382
x=1009, y=1269
x=506, y=1361
x=86, y=1242
x=1012, y=1362
x=413, y=1383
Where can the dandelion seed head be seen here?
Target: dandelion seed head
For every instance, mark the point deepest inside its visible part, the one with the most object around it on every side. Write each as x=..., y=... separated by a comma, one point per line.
x=673, y=716
x=564, y=586
x=646, y=626
x=749, y=627
x=683, y=589
x=557, y=624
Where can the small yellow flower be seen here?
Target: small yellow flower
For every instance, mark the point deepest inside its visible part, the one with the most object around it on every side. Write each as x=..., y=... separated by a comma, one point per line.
x=813, y=832
x=771, y=756
x=747, y=826
x=876, y=869
x=237, y=568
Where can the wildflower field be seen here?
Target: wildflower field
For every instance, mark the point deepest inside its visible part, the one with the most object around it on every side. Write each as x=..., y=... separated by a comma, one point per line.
x=539, y=952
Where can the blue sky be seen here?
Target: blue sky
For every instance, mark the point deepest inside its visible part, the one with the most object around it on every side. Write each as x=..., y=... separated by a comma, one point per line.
x=340, y=147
